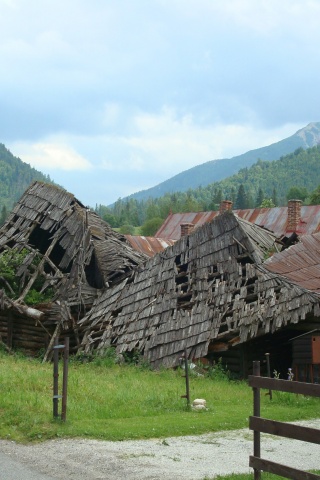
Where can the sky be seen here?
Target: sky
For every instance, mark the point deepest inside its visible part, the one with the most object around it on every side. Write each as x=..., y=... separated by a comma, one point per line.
x=110, y=97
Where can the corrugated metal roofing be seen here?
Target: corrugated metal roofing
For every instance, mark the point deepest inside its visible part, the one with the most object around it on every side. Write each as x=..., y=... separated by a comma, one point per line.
x=149, y=245
x=274, y=219
x=299, y=263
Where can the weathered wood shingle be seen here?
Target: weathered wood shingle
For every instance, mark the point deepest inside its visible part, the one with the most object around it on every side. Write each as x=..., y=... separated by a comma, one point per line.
x=210, y=285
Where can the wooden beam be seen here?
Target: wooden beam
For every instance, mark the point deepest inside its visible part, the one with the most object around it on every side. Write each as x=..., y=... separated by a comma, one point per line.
x=279, y=469
x=288, y=430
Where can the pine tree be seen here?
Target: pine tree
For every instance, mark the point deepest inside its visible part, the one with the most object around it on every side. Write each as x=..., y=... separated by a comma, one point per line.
x=241, y=200
x=4, y=214
x=260, y=197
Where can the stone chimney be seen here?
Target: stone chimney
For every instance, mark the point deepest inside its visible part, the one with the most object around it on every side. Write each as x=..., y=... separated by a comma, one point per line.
x=294, y=215
x=225, y=205
x=186, y=228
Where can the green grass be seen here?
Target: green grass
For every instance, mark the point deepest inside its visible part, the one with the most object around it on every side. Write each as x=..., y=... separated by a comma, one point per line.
x=126, y=402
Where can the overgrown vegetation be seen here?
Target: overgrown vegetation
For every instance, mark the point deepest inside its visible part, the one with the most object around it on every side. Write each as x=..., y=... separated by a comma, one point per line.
x=10, y=262
x=112, y=401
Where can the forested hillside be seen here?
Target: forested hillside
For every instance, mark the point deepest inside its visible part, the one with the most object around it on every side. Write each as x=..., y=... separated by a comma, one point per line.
x=15, y=177
x=216, y=170
x=265, y=183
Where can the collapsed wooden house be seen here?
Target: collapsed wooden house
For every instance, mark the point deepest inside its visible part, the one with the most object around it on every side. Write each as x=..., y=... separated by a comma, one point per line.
x=75, y=253
x=209, y=293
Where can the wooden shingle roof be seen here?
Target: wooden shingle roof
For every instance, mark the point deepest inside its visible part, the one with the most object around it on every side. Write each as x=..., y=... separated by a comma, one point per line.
x=79, y=252
x=210, y=286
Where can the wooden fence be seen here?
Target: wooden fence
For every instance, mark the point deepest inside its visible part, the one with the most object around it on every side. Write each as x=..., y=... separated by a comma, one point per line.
x=259, y=424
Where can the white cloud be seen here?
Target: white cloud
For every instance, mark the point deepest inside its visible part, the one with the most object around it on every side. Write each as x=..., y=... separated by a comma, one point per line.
x=51, y=156
x=166, y=142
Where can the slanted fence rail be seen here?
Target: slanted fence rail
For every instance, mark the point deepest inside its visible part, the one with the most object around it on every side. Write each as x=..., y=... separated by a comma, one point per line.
x=263, y=425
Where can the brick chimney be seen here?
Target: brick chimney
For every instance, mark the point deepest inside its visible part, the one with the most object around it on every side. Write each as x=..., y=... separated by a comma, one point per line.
x=186, y=228
x=225, y=205
x=294, y=215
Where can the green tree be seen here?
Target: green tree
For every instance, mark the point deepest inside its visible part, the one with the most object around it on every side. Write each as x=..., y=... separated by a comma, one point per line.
x=315, y=196
x=111, y=220
x=267, y=203
x=297, y=193
x=126, y=229
x=274, y=197
x=260, y=197
x=4, y=214
x=241, y=200
x=150, y=227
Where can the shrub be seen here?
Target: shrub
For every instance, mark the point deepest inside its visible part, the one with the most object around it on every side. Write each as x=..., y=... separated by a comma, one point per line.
x=150, y=227
x=126, y=230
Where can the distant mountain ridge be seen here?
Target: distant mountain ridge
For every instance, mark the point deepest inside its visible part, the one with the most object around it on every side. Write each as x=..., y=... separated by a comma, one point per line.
x=215, y=170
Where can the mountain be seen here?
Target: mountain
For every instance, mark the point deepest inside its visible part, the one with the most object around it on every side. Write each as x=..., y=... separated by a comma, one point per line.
x=15, y=178
x=296, y=175
x=216, y=170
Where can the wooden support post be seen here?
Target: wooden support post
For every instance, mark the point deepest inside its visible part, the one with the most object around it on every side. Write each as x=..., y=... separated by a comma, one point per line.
x=256, y=413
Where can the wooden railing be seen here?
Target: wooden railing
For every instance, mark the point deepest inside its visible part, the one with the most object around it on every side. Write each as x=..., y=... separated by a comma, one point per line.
x=259, y=424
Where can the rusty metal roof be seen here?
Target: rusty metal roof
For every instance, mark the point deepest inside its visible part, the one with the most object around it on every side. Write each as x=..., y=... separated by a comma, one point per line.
x=299, y=263
x=149, y=245
x=274, y=219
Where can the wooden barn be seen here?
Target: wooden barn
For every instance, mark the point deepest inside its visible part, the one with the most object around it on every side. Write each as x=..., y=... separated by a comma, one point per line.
x=72, y=251
x=209, y=293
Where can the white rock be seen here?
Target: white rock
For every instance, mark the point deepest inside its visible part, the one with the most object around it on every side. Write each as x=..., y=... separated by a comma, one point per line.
x=199, y=407
x=199, y=401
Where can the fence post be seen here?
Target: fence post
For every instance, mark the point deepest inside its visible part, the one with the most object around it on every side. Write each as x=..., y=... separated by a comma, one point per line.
x=55, y=397
x=256, y=413
x=269, y=372
x=187, y=377
x=186, y=370
x=65, y=380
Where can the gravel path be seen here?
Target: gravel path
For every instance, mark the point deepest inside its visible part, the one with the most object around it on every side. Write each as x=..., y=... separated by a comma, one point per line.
x=187, y=458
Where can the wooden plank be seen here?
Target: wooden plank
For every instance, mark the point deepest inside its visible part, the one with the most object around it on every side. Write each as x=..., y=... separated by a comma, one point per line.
x=285, y=385
x=305, y=434
x=279, y=469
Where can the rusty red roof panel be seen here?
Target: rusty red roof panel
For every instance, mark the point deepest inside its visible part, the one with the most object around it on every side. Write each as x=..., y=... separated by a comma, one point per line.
x=171, y=226
x=300, y=263
x=149, y=245
x=274, y=219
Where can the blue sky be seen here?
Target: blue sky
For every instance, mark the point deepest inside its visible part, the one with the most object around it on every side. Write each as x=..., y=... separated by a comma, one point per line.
x=110, y=97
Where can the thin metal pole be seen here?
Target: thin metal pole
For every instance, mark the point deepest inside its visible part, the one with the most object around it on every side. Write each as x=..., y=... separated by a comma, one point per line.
x=186, y=368
x=55, y=398
x=256, y=413
x=65, y=380
x=269, y=372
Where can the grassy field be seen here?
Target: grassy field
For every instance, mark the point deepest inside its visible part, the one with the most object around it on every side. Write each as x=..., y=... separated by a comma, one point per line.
x=117, y=402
